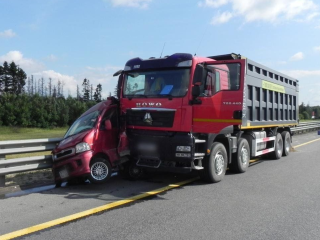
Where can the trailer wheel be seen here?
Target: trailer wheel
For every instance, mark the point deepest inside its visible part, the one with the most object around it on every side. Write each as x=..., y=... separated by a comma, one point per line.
x=241, y=159
x=215, y=165
x=286, y=143
x=100, y=170
x=278, y=147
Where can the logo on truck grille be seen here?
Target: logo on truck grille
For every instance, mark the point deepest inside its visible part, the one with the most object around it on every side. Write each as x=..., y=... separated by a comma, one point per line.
x=150, y=104
x=147, y=118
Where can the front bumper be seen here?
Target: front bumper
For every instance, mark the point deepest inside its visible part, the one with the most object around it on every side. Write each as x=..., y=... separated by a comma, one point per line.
x=162, y=156
x=75, y=166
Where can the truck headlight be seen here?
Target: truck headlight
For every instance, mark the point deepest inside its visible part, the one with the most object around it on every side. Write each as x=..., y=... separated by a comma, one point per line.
x=183, y=149
x=82, y=147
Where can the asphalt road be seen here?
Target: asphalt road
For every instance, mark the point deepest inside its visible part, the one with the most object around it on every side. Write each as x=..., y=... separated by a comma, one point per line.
x=274, y=199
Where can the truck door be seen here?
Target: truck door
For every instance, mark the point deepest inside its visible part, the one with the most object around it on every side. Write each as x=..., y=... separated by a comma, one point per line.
x=221, y=96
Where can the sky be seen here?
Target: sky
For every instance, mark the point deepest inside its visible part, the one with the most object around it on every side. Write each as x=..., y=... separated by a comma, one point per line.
x=69, y=40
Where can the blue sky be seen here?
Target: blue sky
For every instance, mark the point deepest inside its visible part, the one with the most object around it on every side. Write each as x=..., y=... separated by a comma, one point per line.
x=72, y=40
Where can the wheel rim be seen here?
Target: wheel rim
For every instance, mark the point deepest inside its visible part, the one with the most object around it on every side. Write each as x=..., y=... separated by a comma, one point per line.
x=287, y=144
x=135, y=171
x=99, y=171
x=219, y=163
x=244, y=156
x=279, y=146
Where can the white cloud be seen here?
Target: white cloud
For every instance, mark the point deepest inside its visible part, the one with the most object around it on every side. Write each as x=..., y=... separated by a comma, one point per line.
x=130, y=3
x=317, y=49
x=268, y=10
x=28, y=65
x=213, y=3
x=296, y=57
x=51, y=58
x=7, y=34
x=221, y=18
x=69, y=82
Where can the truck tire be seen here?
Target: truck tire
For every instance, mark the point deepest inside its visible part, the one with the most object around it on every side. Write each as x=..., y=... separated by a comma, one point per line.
x=100, y=170
x=278, y=147
x=286, y=143
x=215, y=165
x=131, y=171
x=241, y=159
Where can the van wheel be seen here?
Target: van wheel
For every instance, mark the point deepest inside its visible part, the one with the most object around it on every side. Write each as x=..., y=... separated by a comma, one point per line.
x=215, y=165
x=278, y=147
x=100, y=170
x=286, y=143
x=241, y=159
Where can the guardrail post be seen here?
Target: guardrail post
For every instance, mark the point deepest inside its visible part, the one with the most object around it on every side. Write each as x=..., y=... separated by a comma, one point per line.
x=2, y=181
x=2, y=177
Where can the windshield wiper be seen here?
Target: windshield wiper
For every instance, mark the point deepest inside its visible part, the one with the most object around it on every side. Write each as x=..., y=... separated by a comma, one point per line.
x=166, y=95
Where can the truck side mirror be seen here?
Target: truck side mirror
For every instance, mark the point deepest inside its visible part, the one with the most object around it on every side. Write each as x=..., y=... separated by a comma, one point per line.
x=107, y=124
x=196, y=90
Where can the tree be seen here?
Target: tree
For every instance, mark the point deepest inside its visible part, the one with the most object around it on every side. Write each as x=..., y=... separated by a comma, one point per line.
x=97, y=93
x=12, y=78
x=86, y=89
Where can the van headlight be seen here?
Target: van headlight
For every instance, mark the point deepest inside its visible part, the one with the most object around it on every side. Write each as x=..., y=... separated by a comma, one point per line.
x=82, y=147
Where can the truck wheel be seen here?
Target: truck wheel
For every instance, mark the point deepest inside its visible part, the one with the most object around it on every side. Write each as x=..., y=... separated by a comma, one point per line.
x=278, y=147
x=100, y=170
x=58, y=184
x=215, y=165
x=241, y=159
x=131, y=171
x=286, y=143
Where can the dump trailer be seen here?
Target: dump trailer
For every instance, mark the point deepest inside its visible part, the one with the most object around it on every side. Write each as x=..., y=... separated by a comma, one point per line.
x=185, y=113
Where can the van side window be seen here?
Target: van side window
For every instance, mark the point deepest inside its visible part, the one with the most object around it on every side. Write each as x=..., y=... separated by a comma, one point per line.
x=112, y=115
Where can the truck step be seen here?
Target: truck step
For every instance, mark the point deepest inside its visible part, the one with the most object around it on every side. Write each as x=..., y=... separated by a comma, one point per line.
x=196, y=167
x=199, y=154
x=200, y=141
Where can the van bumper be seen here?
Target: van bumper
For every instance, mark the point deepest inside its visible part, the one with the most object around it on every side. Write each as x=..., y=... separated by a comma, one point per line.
x=75, y=166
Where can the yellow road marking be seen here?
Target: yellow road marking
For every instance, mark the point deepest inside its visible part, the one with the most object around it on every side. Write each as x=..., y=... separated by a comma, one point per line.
x=306, y=143
x=89, y=212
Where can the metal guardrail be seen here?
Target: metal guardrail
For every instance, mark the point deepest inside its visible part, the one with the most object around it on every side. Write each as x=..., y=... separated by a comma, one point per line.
x=306, y=127
x=27, y=163
x=42, y=162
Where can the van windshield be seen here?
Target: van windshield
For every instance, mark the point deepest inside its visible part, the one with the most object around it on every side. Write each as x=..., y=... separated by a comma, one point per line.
x=83, y=124
x=159, y=83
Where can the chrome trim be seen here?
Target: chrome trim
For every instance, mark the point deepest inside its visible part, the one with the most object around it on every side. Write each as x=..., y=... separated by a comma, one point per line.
x=154, y=109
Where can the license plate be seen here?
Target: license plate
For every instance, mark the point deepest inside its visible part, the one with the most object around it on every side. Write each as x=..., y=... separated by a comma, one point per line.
x=64, y=173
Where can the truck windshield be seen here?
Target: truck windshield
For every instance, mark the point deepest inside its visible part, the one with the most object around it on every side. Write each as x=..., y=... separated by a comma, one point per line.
x=159, y=83
x=83, y=124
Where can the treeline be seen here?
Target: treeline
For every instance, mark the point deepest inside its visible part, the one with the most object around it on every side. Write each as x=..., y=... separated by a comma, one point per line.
x=30, y=102
x=308, y=112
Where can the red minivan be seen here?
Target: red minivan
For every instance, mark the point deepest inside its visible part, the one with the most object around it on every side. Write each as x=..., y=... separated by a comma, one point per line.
x=93, y=146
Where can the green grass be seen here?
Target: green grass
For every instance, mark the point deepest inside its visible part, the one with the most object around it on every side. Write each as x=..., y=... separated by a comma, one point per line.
x=17, y=133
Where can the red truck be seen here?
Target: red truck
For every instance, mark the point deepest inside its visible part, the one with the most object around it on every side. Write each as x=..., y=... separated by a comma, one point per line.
x=185, y=113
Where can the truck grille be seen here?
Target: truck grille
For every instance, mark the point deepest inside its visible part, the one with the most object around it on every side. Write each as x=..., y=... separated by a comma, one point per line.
x=150, y=118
